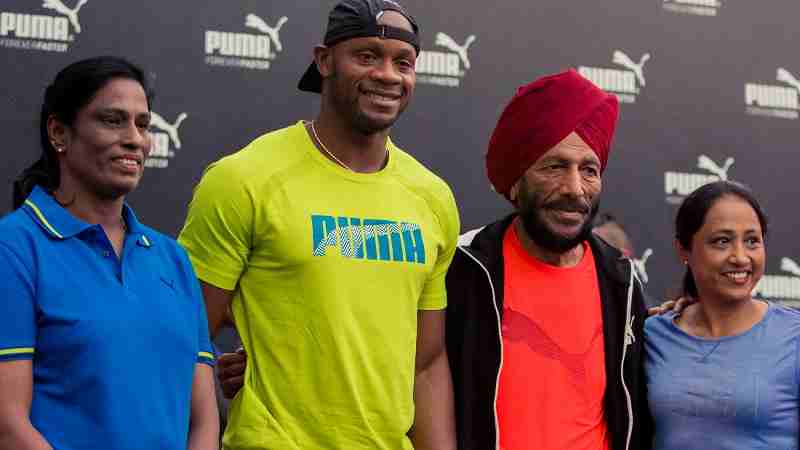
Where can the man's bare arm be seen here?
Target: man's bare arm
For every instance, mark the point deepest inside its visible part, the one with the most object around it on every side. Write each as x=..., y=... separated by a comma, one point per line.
x=434, y=423
x=218, y=304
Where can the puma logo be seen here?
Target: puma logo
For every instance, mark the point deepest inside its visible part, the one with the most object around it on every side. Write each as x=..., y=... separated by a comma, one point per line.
x=61, y=8
x=170, y=128
x=785, y=76
x=253, y=21
x=787, y=265
x=707, y=164
x=449, y=43
x=625, y=61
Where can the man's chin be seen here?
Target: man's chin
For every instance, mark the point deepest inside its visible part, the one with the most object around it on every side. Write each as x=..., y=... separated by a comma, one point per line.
x=557, y=238
x=370, y=124
x=566, y=232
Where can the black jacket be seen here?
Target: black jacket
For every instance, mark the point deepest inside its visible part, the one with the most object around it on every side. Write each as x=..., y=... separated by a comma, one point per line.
x=474, y=345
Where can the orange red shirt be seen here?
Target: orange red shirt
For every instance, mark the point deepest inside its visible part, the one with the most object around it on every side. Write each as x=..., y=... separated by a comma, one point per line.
x=553, y=379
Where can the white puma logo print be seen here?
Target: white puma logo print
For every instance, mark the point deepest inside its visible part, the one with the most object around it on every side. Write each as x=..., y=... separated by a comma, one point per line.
x=787, y=265
x=446, y=41
x=705, y=163
x=785, y=76
x=623, y=60
x=72, y=14
x=171, y=129
x=253, y=21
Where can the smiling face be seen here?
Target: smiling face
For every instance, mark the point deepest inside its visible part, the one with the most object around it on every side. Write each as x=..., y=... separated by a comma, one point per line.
x=106, y=145
x=557, y=196
x=727, y=253
x=370, y=80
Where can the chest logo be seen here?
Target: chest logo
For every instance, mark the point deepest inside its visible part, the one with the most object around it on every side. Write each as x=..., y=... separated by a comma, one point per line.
x=370, y=239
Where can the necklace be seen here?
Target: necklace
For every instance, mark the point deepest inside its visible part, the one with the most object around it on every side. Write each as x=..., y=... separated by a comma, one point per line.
x=325, y=149
x=328, y=152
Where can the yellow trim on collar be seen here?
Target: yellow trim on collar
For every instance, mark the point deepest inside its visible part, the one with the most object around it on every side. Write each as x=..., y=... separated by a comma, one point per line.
x=44, y=221
x=206, y=355
x=17, y=351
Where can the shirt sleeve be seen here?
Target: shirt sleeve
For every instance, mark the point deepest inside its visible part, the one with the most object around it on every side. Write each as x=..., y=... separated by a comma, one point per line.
x=218, y=229
x=434, y=294
x=17, y=307
x=205, y=350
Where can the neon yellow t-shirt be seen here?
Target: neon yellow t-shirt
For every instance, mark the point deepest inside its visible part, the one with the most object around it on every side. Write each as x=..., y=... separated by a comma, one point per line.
x=329, y=269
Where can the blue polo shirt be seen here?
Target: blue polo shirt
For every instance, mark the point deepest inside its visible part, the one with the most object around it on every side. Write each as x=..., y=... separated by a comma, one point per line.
x=114, y=341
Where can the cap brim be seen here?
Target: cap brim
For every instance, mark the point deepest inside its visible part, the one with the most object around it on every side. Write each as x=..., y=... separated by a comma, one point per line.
x=311, y=80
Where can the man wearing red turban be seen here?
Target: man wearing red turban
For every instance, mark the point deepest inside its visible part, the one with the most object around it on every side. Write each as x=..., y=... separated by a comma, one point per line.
x=545, y=320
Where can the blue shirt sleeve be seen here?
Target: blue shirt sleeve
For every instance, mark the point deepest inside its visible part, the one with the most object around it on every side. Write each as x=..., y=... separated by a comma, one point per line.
x=17, y=306
x=205, y=349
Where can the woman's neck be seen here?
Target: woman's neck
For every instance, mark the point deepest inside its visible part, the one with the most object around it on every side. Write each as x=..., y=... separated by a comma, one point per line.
x=715, y=319
x=90, y=207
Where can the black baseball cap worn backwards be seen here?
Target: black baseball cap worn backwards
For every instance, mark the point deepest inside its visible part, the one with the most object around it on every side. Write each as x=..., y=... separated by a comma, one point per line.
x=359, y=18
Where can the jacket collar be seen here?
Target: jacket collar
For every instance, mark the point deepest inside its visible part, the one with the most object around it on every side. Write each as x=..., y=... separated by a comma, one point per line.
x=486, y=244
x=59, y=223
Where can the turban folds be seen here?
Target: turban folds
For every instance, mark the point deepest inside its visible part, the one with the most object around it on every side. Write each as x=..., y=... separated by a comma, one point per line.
x=540, y=115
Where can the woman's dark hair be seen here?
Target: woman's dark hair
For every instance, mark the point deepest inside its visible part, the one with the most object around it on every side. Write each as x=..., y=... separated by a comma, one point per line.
x=73, y=89
x=692, y=215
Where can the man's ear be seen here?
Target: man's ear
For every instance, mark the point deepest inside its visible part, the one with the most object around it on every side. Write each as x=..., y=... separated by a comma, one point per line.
x=323, y=58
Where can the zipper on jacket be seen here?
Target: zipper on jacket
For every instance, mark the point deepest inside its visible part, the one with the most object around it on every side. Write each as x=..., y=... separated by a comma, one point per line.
x=628, y=340
x=500, y=338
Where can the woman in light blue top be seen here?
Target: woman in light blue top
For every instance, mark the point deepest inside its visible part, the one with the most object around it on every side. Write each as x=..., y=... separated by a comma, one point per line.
x=724, y=374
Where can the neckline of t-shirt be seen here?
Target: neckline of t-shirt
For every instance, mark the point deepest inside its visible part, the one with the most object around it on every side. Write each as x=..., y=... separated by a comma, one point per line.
x=334, y=168
x=517, y=247
x=744, y=333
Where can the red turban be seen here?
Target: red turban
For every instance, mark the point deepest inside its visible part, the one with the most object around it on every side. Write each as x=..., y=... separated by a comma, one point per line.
x=540, y=115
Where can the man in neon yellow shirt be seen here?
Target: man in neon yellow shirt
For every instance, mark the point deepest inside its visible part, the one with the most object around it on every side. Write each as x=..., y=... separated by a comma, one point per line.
x=331, y=245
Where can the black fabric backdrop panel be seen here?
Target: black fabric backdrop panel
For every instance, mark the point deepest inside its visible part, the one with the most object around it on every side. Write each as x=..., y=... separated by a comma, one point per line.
x=226, y=72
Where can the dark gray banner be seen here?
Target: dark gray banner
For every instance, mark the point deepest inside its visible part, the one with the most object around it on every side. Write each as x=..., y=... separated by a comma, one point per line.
x=709, y=90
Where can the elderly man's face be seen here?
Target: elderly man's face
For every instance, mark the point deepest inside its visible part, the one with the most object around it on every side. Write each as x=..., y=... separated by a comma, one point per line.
x=557, y=196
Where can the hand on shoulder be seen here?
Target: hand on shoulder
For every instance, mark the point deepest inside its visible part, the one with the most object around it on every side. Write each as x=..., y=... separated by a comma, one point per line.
x=676, y=306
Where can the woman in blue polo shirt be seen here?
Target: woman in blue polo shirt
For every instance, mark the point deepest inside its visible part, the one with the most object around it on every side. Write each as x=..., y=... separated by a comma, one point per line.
x=103, y=334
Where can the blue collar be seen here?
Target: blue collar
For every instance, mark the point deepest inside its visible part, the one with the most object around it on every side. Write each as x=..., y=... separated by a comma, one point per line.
x=59, y=223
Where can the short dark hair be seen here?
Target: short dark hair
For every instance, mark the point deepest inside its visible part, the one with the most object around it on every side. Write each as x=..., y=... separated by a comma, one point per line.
x=73, y=88
x=692, y=214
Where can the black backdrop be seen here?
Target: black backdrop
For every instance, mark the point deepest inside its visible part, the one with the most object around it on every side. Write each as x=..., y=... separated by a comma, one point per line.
x=714, y=97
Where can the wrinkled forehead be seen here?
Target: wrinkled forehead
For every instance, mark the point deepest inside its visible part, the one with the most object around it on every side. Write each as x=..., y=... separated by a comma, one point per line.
x=571, y=148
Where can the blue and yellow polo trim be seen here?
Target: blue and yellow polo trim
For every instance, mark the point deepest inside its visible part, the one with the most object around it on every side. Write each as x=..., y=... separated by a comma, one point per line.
x=73, y=225
x=13, y=353
x=43, y=220
x=206, y=357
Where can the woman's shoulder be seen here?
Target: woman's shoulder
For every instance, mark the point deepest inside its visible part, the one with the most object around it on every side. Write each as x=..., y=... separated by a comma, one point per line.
x=785, y=316
x=659, y=323
x=17, y=228
x=659, y=320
